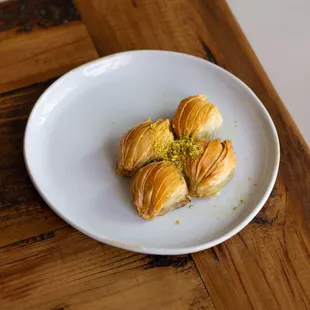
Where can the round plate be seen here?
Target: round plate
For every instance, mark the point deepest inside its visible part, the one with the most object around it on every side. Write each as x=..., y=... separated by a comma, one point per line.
x=73, y=131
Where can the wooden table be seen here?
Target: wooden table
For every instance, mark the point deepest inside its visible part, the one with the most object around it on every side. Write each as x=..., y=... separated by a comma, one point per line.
x=46, y=264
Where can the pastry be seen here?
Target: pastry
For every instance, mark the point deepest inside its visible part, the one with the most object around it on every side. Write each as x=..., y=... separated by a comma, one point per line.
x=137, y=145
x=159, y=160
x=158, y=188
x=196, y=117
x=209, y=172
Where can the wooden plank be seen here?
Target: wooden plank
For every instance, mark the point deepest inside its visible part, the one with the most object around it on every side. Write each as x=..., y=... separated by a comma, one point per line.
x=265, y=266
x=117, y=26
x=32, y=57
x=23, y=214
x=70, y=271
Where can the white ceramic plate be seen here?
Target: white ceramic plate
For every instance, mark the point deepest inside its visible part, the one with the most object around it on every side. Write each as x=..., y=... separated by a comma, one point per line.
x=74, y=128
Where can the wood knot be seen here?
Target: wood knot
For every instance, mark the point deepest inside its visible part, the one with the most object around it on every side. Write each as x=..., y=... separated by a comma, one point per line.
x=273, y=211
x=167, y=261
x=62, y=307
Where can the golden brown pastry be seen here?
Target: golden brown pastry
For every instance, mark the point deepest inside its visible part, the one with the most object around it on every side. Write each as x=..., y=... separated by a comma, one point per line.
x=196, y=117
x=209, y=172
x=137, y=145
x=157, y=189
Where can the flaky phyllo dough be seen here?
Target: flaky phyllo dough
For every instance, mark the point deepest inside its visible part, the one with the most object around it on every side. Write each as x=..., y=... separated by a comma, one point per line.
x=209, y=172
x=158, y=188
x=197, y=118
x=166, y=172
x=137, y=145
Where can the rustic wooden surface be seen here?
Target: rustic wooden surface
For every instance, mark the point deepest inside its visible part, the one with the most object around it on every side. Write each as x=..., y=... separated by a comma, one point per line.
x=32, y=47
x=46, y=264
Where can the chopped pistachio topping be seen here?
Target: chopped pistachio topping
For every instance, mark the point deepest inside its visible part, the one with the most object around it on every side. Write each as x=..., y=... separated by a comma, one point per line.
x=178, y=222
x=178, y=151
x=235, y=208
x=191, y=206
x=153, y=126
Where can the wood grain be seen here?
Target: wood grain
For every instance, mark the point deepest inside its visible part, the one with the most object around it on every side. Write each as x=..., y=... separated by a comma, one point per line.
x=31, y=57
x=117, y=26
x=71, y=271
x=266, y=266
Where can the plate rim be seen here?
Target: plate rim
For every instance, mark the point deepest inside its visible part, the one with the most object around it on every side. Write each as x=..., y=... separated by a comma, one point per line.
x=159, y=250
